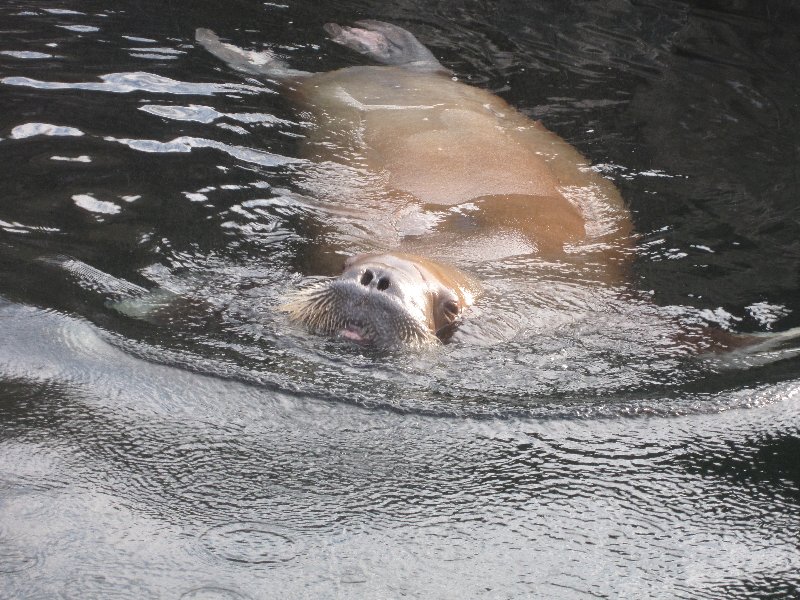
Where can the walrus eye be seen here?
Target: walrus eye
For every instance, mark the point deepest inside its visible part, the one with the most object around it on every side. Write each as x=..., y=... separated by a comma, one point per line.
x=450, y=309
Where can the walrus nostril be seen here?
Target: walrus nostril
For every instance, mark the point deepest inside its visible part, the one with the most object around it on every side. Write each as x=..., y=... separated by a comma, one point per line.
x=366, y=277
x=383, y=283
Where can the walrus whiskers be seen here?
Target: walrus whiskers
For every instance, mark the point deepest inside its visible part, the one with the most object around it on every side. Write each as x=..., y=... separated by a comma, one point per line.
x=313, y=307
x=322, y=308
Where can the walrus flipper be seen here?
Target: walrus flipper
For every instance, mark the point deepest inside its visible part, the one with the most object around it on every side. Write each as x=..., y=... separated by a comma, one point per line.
x=385, y=43
x=246, y=61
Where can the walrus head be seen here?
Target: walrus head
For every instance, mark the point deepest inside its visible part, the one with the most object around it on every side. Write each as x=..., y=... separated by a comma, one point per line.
x=387, y=301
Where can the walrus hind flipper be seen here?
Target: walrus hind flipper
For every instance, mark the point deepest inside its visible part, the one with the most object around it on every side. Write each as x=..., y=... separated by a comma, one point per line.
x=246, y=61
x=385, y=43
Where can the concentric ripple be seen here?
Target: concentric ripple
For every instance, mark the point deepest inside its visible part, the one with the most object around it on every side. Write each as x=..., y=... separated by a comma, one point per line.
x=251, y=542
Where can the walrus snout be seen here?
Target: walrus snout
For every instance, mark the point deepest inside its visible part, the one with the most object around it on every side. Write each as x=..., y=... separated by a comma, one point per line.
x=386, y=300
x=349, y=309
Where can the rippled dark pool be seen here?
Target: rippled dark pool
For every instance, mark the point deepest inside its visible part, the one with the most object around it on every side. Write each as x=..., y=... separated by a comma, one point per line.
x=166, y=433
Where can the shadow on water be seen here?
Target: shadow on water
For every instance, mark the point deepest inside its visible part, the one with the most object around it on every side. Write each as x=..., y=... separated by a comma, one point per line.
x=564, y=445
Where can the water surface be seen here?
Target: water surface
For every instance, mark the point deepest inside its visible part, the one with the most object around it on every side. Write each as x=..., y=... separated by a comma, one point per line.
x=562, y=446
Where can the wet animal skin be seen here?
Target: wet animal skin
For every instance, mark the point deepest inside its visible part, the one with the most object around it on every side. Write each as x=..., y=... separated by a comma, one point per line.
x=452, y=165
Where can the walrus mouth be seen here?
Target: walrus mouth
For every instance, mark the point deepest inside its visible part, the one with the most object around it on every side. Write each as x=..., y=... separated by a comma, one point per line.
x=355, y=333
x=341, y=309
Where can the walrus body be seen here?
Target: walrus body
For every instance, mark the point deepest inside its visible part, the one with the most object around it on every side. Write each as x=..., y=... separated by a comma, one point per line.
x=438, y=143
x=448, y=168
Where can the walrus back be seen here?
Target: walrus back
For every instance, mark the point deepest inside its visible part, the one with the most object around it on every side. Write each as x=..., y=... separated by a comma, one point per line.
x=440, y=140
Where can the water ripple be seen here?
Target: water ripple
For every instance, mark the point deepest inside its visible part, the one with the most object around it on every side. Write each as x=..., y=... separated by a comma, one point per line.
x=213, y=593
x=140, y=81
x=32, y=129
x=107, y=586
x=14, y=559
x=206, y=114
x=80, y=28
x=187, y=144
x=251, y=542
x=26, y=54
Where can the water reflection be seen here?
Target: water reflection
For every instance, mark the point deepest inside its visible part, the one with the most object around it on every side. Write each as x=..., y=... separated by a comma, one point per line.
x=264, y=488
x=124, y=83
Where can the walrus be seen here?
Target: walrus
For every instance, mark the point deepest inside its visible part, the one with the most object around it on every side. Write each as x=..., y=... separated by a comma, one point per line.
x=449, y=169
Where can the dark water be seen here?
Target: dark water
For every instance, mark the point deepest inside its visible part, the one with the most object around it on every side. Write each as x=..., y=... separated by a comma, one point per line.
x=562, y=446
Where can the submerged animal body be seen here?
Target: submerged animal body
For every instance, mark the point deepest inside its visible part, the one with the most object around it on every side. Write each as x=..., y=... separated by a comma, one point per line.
x=453, y=167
